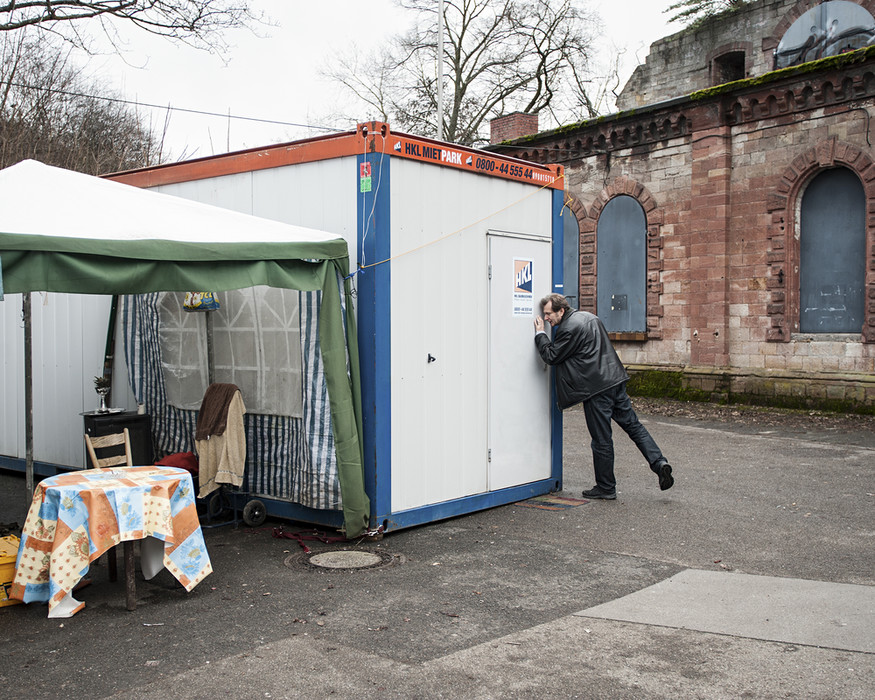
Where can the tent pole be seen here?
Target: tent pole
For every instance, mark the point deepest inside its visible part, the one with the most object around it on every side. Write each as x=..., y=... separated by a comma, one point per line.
x=108, y=355
x=28, y=393
x=211, y=368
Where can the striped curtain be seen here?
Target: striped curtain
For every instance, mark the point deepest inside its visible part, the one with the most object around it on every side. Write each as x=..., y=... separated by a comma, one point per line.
x=290, y=459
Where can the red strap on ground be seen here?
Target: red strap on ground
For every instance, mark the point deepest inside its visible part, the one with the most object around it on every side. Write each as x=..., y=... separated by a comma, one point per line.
x=301, y=537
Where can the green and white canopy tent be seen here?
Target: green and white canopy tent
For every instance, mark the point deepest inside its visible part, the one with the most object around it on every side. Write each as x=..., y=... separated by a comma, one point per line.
x=62, y=231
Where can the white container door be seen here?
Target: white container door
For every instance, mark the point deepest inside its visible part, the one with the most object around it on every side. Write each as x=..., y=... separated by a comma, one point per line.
x=519, y=382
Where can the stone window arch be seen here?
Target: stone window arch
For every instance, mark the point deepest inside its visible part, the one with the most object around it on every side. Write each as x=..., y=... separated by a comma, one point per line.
x=621, y=258
x=572, y=213
x=784, y=257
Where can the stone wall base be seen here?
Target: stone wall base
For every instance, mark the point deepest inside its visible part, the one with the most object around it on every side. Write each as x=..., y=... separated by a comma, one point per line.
x=845, y=393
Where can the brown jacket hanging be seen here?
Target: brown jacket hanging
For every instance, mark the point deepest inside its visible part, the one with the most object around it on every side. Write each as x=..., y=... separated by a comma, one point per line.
x=213, y=416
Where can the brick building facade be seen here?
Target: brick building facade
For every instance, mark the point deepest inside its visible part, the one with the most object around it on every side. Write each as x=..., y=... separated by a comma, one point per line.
x=748, y=193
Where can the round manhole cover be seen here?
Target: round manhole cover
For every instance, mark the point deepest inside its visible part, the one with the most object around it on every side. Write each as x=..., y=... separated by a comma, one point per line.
x=343, y=560
x=346, y=560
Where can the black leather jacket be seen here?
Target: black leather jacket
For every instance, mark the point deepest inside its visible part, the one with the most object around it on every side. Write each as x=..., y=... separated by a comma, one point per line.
x=585, y=363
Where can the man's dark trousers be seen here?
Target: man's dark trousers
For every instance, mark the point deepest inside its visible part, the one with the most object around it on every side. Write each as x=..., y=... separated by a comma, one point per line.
x=614, y=404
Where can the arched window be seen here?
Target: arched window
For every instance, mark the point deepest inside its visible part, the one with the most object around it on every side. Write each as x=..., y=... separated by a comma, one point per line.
x=571, y=257
x=621, y=266
x=827, y=29
x=832, y=254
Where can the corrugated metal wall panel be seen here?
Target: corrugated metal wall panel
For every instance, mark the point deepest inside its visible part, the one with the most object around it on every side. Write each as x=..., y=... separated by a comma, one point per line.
x=319, y=195
x=439, y=307
x=12, y=378
x=229, y=191
x=69, y=341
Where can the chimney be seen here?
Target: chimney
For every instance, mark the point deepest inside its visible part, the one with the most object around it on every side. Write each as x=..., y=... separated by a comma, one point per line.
x=512, y=126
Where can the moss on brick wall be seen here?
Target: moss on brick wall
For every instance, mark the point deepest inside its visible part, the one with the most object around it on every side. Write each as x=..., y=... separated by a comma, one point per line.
x=764, y=391
x=803, y=402
x=668, y=384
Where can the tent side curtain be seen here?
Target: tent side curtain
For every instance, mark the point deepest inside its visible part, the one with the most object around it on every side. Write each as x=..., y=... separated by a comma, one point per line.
x=292, y=458
x=339, y=346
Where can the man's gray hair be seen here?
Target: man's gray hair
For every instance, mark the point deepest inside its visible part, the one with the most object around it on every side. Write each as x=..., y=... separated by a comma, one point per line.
x=557, y=302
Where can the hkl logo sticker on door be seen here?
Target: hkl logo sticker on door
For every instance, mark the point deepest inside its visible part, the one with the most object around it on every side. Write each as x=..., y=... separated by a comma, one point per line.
x=523, y=300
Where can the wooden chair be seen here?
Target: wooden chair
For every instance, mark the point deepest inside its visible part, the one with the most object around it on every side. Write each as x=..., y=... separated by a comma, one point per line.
x=116, y=458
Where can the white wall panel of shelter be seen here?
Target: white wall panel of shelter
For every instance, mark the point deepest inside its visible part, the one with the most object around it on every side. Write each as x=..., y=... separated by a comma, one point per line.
x=69, y=342
x=440, y=446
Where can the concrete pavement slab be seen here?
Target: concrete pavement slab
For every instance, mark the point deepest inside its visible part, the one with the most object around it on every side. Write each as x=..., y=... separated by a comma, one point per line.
x=816, y=613
x=575, y=657
x=571, y=657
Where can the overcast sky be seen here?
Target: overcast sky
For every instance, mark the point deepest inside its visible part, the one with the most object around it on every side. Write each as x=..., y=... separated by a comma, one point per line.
x=276, y=76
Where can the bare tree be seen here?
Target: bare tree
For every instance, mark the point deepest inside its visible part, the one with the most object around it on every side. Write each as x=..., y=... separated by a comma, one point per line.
x=500, y=56
x=50, y=112
x=693, y=12
x=196, y=22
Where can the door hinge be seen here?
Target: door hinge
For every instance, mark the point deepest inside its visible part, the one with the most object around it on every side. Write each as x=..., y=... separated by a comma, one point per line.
x=490, y=272
x=489, y=455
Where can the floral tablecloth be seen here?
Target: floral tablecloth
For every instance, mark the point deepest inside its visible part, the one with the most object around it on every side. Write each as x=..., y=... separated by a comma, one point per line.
x=76, y=517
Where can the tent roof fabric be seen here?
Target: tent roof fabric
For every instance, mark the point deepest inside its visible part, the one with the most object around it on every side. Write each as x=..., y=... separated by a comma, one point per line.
x=62, y=231
x=43, y=200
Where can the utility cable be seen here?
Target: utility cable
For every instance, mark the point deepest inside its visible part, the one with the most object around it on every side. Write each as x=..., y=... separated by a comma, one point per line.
x=136, y=103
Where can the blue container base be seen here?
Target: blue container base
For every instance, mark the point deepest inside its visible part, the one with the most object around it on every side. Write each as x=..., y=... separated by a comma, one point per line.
x=287, y=510
x=464, y=506
x=41, y=470
x=407, y=518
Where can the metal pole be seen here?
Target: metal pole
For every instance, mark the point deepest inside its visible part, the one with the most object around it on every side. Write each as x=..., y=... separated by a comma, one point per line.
x=440, y=72
x=28, y=394
x=211, y=367
x=109, y=352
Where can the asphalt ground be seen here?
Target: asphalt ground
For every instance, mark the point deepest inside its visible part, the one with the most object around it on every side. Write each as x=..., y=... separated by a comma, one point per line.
x=753, y=577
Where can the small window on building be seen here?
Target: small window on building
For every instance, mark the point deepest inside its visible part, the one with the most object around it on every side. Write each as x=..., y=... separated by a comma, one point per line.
x=621, y=266
x=728, y=67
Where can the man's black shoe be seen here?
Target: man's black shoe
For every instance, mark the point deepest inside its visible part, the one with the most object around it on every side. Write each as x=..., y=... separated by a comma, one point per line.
x=666, y=480
x=596, y=492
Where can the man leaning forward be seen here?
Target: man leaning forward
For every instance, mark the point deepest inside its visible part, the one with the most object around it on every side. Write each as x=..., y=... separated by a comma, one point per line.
x=587, y=369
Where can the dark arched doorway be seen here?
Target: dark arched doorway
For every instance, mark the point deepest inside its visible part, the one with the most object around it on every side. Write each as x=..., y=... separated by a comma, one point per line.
x=622, y=266
x=832, y=254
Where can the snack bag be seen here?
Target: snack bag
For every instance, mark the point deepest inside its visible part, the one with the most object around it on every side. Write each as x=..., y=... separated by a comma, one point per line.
x=200, y=301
